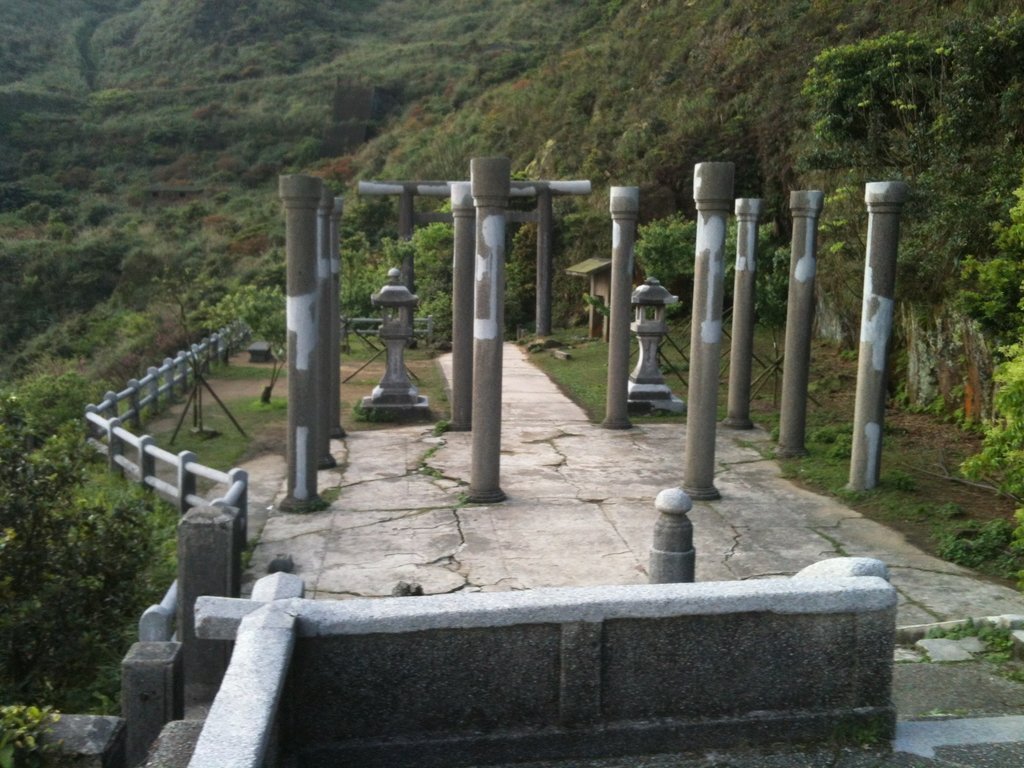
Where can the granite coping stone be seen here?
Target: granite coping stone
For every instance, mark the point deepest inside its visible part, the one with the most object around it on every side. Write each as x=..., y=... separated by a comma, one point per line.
x=217, y=618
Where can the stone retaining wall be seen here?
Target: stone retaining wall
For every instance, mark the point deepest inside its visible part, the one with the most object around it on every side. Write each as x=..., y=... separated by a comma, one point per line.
x=474, y=678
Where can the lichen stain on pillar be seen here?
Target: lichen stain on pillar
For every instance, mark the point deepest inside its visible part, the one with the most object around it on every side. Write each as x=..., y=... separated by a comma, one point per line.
x=302, y=319
x=301, y=451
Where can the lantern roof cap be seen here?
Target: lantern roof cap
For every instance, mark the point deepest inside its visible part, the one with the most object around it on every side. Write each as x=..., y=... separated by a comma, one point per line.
x=394, y=293
x=652, y=292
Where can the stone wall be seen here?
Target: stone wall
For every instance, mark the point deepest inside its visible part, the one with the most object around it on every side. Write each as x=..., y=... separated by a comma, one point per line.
x=474, y=678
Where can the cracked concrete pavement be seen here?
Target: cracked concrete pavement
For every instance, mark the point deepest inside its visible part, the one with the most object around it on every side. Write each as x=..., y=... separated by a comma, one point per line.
x=580, y=511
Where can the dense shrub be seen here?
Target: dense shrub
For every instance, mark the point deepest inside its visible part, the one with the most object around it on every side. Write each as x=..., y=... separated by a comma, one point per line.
x=74, y=548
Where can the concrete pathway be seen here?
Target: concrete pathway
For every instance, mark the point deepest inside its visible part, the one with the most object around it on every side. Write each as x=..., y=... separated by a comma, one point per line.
x=580, y=512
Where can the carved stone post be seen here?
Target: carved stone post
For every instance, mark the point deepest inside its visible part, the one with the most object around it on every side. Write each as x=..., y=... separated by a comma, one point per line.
x=334, y=311
x=806, y=207
x=741, y=352
x=464, y=217
x=301, y=195
x=490, y=183
x=713, y=194
x=885, y=201
x=406, y=224
x=625, y=205
x=323, y=322
x=673, y=557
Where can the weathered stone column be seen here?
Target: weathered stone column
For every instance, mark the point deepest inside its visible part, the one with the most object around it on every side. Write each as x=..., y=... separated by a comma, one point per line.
x=806, y=206
x=323, y=323
x=673, y=557
x=489, y=177
x=545, y=217
x=712, y=192
x=464, y=218
x=406, y=224
x=741, y=352
x=334, y=312
x=624, y=203
x=301, y=195
x=885, y=201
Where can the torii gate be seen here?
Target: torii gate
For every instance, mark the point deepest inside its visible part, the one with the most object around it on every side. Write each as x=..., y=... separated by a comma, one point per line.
x=542, y=215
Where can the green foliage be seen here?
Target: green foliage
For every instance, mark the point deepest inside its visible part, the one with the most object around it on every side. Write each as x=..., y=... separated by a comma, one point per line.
x=73, y=552
x=21, y=731
x=975, y=544
x=433, y=246
x=1001, y=459
x=664, y=250
x=919, y=105
x=993, y=292
x=50, y=402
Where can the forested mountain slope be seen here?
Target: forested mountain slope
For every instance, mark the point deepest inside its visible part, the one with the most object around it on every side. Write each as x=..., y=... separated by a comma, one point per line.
x=140, y=141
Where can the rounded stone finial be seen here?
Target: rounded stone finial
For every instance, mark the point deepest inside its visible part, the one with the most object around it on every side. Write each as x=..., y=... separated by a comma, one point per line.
x=490, y=179
x=673, y=501
x=299, y=190
x=624, y=200
x=806, y=201
x=713, y=185
x=394, y=275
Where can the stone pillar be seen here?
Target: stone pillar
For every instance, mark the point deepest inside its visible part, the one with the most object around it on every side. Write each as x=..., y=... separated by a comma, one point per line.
x=545, y=228
x=672, y=555
x=489, y=177
x=301, y=195
x=712, y=192
x=624, y=203
x=323, y=323
x=741, y=352
x=152, y=694
x=406, y=223
x=885, y=201
x=464, y=218
x=334, y=313
x=207, y=557
x=806, y=206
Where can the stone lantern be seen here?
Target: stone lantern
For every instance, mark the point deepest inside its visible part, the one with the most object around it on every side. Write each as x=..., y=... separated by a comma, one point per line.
x=647, y=388
x=395, y=394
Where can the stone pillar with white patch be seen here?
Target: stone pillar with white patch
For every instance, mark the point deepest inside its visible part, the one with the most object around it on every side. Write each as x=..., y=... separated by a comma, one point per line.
x=489, y=177
x=323, y=323
x=624, y=203
x=334, y=311
x=713, y=195
x=464, y=219
x=741, y=351
x=806, y=206
x=301, y=198
x=884, y=201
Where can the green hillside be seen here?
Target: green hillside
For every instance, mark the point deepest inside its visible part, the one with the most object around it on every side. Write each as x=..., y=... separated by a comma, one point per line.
x=109, y=108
